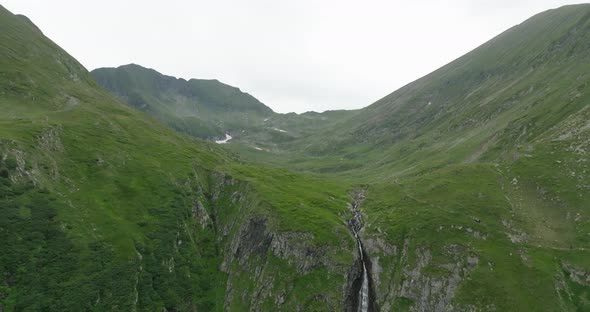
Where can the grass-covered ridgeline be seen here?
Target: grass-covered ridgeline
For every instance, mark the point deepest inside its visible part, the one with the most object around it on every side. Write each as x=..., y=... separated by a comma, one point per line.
x=475, y=177
x=105, y=208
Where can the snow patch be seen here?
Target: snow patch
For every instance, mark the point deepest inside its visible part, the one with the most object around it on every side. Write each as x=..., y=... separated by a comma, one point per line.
x=227, y=138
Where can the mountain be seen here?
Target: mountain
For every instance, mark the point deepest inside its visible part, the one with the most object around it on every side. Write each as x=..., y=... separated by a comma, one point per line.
x=104, y=208
x=210, y=109
x=203, y=108
x=489, y=104
x=486, y=157
x=463, y=191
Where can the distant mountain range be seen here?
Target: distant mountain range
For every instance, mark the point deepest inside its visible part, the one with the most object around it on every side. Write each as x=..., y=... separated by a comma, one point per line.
x=204, y=108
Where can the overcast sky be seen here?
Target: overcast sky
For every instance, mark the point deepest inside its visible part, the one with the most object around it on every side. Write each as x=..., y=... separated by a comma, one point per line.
x=295, y=55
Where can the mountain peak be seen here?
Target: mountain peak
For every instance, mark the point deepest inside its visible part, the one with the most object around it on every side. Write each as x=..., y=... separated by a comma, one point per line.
x=204, y=108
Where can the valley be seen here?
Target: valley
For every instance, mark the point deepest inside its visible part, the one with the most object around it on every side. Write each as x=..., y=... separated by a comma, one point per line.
x=124, y=189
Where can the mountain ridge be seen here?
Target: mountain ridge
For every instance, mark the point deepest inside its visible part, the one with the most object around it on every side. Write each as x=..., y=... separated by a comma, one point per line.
x=187, y=106
x=474, y=202
x=105, y=208
x=500, y=72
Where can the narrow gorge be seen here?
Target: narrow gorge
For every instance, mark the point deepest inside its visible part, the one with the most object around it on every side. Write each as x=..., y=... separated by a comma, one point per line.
x=362, y=291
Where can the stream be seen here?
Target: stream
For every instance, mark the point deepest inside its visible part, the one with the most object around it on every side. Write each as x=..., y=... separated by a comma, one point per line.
x=356, y=224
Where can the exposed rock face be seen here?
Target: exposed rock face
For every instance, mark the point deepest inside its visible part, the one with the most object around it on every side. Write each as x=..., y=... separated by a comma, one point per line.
x=515, y=235
x=577, y=275
x=220, y=182
x=200, y=214
x=295, y=248
x=50, y=140
x=250, y=254
x=376, y=247
x=566, y=281
x=434, y=293
x=417, y=277
x=253, y=239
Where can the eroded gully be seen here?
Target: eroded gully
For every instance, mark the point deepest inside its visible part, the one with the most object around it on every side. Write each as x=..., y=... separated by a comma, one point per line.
x=365, y=299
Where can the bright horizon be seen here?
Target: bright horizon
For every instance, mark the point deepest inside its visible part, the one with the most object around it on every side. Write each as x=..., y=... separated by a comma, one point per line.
x=294, y=57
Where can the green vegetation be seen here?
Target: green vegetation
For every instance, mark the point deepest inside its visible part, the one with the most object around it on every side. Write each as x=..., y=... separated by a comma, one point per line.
x=208, y=109
x=203, y=108
x=105, y=208
x=475, y=176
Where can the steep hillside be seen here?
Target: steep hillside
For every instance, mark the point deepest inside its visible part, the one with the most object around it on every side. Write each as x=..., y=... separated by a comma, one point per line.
x=466, y=190
x=503, y=95
x=479, y=175
x=203, y=108
x=210, y=109
x=104, y=208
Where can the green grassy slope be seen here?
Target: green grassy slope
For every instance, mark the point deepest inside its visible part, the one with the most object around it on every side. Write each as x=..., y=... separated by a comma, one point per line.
x=209, y=109
x=203, y=108
x=504, y=245
x=482, y=106
x=477, y=193
x=499, y=136
x=104, y=208
x=476, y=179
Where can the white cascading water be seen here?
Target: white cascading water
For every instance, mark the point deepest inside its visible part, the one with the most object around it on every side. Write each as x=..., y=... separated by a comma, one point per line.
x=355, y=225
x=364, y=291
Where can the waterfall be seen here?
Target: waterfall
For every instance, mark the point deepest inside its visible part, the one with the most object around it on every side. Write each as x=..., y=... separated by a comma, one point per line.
x=355, y=224
x=364, y=291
